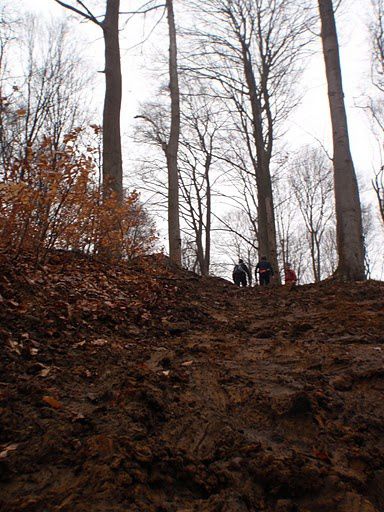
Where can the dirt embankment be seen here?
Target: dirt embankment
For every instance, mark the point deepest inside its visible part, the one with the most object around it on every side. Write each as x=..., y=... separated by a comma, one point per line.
x=147, y=389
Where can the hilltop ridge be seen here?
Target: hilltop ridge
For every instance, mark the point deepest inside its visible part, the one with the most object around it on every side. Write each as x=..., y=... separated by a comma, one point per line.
x=149, y=388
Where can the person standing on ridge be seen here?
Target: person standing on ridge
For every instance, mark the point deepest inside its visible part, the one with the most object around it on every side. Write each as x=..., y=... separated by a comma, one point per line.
x=290, y=276
x=265, y=271
x=240, y=274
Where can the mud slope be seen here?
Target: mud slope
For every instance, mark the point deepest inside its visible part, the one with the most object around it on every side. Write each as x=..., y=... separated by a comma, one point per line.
x=144, y=389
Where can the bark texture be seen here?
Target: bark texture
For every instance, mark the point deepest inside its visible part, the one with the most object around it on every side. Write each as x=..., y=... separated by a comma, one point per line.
x=173, y=144
x=112, y=157
x=350, y=243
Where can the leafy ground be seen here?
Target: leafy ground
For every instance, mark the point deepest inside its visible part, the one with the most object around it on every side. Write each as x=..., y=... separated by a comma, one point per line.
x=147, y=389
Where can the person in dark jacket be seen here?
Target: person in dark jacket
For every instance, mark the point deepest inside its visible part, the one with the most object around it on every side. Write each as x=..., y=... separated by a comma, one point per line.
x=240, y=274
x=265, y=271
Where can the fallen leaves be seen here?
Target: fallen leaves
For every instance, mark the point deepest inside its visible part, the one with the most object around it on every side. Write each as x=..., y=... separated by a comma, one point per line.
x=6, y=449
x=51, y=401
x=44, y=372
x=100, y=342
x=321, y=455
x=183, y=390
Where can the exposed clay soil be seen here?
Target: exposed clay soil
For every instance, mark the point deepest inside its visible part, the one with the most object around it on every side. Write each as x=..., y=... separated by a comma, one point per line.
x=147, y=389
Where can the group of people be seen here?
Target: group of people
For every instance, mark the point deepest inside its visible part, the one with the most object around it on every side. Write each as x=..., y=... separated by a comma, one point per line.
x=263, y=272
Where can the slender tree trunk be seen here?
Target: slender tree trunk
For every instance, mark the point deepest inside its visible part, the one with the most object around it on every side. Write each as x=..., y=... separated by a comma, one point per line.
x=200, y=249
x=378, y=186
x=266, y=214
x=350, y=243
x=313, y=256
x=207, y=259
x=173, y=144
x=318, y=258
x=112, y=157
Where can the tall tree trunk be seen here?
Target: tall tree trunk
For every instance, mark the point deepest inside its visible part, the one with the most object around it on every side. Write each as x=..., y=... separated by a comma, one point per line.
x=112, y=157
x=266, y=215
x=350, y=243
x=173, y=144
x=207, y=258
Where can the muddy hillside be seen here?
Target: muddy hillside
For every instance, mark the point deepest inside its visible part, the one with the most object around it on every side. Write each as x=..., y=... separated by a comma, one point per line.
x=147, y=389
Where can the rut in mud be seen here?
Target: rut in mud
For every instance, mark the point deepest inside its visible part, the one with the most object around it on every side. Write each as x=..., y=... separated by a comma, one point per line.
x=151, y=389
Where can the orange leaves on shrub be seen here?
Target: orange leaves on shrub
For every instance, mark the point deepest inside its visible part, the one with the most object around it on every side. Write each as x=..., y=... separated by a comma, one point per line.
x=52, y=199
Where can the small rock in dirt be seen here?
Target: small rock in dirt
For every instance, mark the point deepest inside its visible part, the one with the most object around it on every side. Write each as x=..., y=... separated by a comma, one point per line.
x=355, y=503
x=178, y=327
x=265, y=334
x=341, y=382
x=284, y=506
x=143, y=454
x=237, y=462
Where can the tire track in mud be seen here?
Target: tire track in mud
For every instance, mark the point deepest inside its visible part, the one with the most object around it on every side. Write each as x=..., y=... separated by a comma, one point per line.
x=195, y=432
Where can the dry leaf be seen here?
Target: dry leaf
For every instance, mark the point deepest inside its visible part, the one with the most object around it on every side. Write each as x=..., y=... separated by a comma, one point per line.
x=99, y=342
x=9, y=448
x=52, y=402
x=166, y=372
x=78, y=416
x=187, y=363
x=320, y=420
x=321, y=455
x=15, y=346
x=44, y=372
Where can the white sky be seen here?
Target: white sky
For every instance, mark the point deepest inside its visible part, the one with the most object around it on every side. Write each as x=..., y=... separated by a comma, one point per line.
x=311, y=119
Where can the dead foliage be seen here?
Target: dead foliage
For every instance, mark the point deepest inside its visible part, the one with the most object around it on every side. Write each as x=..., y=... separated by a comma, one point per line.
x=51, y=198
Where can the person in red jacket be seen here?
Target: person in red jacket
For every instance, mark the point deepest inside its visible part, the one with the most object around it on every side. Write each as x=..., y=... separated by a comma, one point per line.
x=289, y=274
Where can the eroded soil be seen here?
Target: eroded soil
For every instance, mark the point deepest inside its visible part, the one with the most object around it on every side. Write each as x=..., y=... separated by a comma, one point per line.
x=147, y=389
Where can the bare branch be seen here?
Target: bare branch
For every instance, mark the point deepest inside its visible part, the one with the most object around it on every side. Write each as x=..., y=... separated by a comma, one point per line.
x=87, y=14
x=146, y=10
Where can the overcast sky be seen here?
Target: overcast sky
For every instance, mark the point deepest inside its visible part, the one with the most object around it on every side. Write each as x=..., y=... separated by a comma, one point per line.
x=311, y=118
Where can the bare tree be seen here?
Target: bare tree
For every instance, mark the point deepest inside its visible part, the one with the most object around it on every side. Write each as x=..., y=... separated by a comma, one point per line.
x=197, y=144
x=8, y=116
x=350, y=243
x=234, y=241
x=112, y=156
x=377, y=38
x=378, y=185
x=196, y=158
x=291, y=234
x=251, y=49
x=48, y=98
x=171, y=148
x=376, y=104
x=312, y=186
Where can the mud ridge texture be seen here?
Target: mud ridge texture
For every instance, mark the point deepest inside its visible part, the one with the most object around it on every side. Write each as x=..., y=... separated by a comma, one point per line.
x=148, y=389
